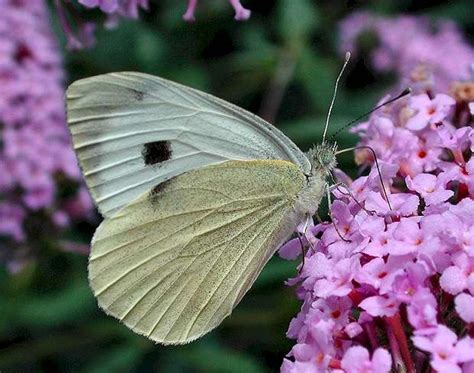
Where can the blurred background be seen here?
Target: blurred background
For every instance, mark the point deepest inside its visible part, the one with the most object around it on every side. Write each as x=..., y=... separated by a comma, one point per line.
x=281, y=64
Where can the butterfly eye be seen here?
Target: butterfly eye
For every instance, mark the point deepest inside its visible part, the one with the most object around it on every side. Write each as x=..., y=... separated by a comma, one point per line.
x=156, y=152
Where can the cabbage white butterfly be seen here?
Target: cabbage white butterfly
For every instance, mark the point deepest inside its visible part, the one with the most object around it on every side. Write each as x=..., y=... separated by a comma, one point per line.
x=197, y=195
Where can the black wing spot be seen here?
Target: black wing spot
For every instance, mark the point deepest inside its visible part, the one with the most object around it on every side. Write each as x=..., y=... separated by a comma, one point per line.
x=138, y=95
x=156, y=152
x=154, y=196
x=160, y=188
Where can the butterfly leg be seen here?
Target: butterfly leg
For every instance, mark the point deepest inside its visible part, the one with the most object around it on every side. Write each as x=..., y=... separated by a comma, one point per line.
x=337, y=184
x=374, y=155
x=303, y=252
x=308, y=237
x=351, y=195
x=307, y=232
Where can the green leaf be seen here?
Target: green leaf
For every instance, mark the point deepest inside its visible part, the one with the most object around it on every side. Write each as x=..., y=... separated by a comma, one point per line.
x=453, y=10
x=217, y=359
x=296, y=19
x=317, y=75
x=121, y=358
x=72, y=302
x=309, y=130
x=193, y=76
x=150, y=49
x=276, y=272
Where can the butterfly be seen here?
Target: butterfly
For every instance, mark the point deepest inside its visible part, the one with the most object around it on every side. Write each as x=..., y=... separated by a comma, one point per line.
x=197, y=194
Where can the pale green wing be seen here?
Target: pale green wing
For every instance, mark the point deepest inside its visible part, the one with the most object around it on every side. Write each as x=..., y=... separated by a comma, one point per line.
x=117, y=119
x=176, y=261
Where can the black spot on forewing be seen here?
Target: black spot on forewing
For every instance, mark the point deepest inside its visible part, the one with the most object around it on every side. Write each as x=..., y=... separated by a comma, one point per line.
x=156, y=152
x=138, y=95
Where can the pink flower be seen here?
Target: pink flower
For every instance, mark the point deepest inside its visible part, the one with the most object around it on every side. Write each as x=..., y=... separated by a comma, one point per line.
x=335, y=309
x=402, y=204
x=380, y=274
x=380, y=305
x=455, y=278
x=429, y=188
x=410, y=281
x=123, y=8
x=241, y=13
x=455, y=139
x=353, y=329
x=338, y=278
x=422, y=311
x=11, y=220
x=108, y=6
x=313, y=355
x=357, y=360
x=465, y=307
x=380, y=237
x=429, y=112
x=407, y=237
x=446, y=351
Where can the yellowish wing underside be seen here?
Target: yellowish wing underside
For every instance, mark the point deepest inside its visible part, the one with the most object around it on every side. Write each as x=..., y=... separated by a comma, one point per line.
x=175, y=262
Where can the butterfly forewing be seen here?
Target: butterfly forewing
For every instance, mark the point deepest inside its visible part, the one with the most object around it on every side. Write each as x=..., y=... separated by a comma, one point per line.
x=133, y=131
x=173, y=263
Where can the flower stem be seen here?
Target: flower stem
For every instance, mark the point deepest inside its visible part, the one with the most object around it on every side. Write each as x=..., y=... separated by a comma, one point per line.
x=283, y=75
x=395, y=349
x=371, y=333
x=394, y=323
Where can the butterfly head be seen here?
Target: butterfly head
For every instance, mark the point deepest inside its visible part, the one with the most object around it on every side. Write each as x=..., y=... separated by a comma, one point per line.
x=322, y=157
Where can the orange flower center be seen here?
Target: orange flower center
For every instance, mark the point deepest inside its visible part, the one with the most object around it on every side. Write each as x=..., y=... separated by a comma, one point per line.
x=422, y=154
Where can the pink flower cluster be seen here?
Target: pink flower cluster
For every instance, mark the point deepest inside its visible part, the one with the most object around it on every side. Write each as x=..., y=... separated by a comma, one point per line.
x=117, y=8
x=417, y=49
x=241, y=13
x=38, y=168
x=389, y=284
x=129, y=8
x=81, y=34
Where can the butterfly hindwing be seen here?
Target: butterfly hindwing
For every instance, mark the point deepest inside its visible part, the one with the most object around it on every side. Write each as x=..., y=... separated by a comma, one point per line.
x=174, y=262
x=133, y=131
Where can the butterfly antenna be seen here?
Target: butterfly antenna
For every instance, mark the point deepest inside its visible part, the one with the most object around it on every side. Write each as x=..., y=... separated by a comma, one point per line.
x=405, y=92
x=346, y=61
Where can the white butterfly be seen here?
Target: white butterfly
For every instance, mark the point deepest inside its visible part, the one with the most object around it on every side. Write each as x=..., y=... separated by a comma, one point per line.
x=197, y=195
